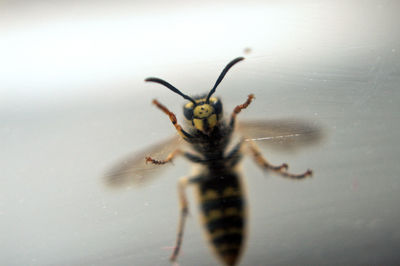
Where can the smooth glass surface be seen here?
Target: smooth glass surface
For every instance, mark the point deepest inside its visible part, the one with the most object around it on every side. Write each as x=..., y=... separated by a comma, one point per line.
x=73, y=103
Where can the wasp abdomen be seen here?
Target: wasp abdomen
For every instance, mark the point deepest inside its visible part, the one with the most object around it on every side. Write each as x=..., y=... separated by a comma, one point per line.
x=223, y=211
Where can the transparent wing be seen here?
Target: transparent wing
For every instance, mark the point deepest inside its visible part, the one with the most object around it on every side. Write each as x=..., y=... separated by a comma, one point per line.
x=134, y=170
x=283, y=134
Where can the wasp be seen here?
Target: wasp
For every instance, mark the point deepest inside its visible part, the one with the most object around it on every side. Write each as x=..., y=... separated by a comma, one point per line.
x=218, y=185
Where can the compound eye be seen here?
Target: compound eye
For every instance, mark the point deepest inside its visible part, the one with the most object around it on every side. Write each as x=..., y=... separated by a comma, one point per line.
x=188, y=111
x=216, y=104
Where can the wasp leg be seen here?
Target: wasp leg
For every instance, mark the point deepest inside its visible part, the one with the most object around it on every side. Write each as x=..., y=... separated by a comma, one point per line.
x=169, y=158
x=184, y=211
x=239, y=108
x=234, y=156
x=174, y=121
x=172, y=155
x=280, y=169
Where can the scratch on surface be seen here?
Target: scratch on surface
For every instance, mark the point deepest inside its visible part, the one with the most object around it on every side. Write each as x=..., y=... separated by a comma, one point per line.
x=275, y=137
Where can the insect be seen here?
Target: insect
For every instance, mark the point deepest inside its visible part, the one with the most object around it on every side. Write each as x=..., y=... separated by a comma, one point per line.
x=218, y=186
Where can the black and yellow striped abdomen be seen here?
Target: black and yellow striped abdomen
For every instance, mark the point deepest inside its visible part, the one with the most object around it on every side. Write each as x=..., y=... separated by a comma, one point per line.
x=222, y=206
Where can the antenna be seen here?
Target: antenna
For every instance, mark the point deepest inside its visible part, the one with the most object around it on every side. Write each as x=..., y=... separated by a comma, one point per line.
x=172, y=88
x=222, y=75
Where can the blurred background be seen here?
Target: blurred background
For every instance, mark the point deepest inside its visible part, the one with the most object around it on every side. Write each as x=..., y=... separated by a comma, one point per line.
x=73, y=103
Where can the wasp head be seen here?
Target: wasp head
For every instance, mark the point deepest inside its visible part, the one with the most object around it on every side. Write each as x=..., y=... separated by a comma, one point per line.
x=204, y=115
x=203, y=112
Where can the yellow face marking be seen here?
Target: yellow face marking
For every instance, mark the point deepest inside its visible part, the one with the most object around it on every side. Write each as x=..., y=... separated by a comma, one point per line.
x=189, y=105
x=203, y=111
x=202, y=100
x=212, y=121
x=198, y=123
x=213, y=100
